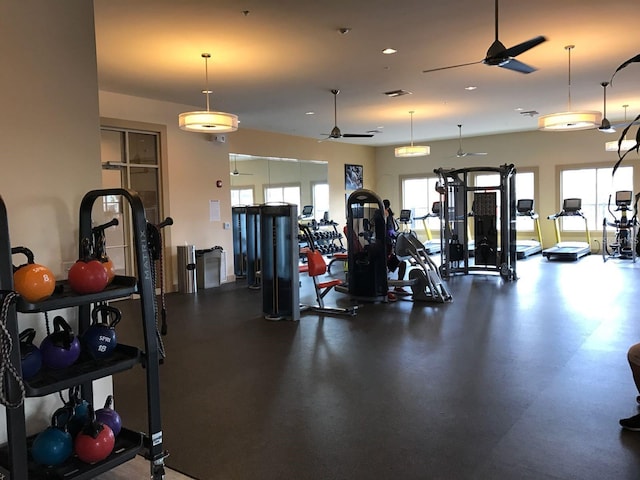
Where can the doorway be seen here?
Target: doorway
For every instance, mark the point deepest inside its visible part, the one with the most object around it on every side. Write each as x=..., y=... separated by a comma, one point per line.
x=130, y=159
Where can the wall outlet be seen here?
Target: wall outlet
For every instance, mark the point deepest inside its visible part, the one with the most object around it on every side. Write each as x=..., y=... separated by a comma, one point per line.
x=226, y=226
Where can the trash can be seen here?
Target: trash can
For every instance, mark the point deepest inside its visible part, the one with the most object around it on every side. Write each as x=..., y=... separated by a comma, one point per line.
x=211, y=267
x=187, y=269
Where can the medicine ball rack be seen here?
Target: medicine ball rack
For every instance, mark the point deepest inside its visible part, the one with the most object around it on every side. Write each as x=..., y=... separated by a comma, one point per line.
x=15, y=460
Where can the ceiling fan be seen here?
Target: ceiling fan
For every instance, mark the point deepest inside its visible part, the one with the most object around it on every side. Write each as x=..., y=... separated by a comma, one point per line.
x=605, y=125
x=235, y=171
x=461, y=152
x=501, y=56
x=335, y=132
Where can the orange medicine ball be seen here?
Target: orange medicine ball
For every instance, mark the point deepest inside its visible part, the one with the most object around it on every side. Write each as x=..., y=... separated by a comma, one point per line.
x=34, y=282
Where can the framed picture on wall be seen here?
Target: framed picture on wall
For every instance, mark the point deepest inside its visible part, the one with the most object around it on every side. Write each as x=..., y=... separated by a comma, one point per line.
x=353, y=175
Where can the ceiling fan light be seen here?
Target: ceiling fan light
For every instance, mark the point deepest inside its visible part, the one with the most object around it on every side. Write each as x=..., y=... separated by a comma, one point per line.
x=413, y=151
x=624, y=146
x=208, y=122
x=568, y=121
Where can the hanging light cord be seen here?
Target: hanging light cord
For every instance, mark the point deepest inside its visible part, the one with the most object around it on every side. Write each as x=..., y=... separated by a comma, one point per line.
x=411, y=113
x=206, y=57
x=568, y=48
x=7, y=371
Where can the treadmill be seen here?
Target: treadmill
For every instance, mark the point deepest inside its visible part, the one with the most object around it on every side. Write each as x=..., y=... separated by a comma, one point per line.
x=571, y=207
x=525, y=248
x=431, y=246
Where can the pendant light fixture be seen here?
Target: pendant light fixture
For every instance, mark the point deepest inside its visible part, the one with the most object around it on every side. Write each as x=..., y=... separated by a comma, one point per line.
x=208, y=121
x=626, y=144
x=412, y=150
x=569, y=120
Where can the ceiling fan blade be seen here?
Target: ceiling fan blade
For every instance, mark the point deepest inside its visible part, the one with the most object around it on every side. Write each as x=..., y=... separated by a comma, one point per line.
x=451, y=66
x=524, y=46
x=476, y=154
x=517, y=66
x=357, y=135
x=624, y=124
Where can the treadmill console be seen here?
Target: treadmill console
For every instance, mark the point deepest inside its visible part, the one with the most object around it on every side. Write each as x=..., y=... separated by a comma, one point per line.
x=524, y=206
x=572, y=205
x=307, y=211
x=623, y=198
x=405, y=216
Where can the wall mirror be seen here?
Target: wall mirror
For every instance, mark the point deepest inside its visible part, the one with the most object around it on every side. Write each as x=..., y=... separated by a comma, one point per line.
x=258, y=180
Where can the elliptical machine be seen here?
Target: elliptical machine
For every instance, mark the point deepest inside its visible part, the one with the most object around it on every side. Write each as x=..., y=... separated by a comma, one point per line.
x=624, y=245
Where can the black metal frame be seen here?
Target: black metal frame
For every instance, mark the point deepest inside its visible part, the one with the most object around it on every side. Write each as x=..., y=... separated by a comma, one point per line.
x=14, y=458
x=455, y=188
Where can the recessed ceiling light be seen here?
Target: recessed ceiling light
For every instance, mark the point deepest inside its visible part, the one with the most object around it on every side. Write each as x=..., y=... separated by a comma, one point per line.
x=389, y=51
x=396, y=93
x=470, y=87
x=518, y=109
x=310, y=113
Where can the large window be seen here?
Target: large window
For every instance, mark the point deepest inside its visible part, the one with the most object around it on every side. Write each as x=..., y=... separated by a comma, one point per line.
x=283, y=193
x=320, y=193
x=241, y=196
x=593, y=186
x=418, y=195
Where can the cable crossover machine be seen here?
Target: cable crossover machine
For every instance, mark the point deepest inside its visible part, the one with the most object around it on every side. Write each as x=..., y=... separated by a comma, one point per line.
x=494, y=223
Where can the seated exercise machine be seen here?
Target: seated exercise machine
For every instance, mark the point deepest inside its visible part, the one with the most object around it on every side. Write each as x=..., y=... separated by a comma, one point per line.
x=316, y=267
x=424, y=278
x=571, y=207
x=366, y=252
x=524, y=248
x=624, y=244
x=431, y=246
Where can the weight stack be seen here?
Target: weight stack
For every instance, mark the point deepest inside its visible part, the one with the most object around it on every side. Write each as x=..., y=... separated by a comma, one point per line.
x=279, y=257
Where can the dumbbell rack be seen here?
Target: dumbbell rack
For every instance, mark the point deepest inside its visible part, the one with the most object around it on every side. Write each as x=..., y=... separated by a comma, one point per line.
x=15, y=460
x=327, y=241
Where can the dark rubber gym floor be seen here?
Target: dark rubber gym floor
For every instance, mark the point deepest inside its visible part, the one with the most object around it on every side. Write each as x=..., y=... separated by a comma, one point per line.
x=512, y=380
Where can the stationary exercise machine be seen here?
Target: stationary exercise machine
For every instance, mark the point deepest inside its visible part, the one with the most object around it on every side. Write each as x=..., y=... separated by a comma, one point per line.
x=316, y=267
x=367, y=255
x=239, y=221
x=494, y=238
x=525, y=248
x=424, y=279
x=431, y=246
x=571, y=207
x=624, y=244
x=405, y=220
x=279, y=257
x=253, y=246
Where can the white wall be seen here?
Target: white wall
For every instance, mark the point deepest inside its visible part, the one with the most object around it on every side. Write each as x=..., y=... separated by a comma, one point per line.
x=50, y=139
x=195, y=163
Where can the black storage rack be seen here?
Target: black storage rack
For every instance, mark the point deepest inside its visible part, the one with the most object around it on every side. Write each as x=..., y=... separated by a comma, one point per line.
x=15, y=461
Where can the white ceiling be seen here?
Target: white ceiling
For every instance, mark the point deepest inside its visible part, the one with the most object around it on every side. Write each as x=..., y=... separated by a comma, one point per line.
x=272, y=61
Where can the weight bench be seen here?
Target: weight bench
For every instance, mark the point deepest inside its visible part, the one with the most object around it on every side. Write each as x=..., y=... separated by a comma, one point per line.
x=316, y=267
